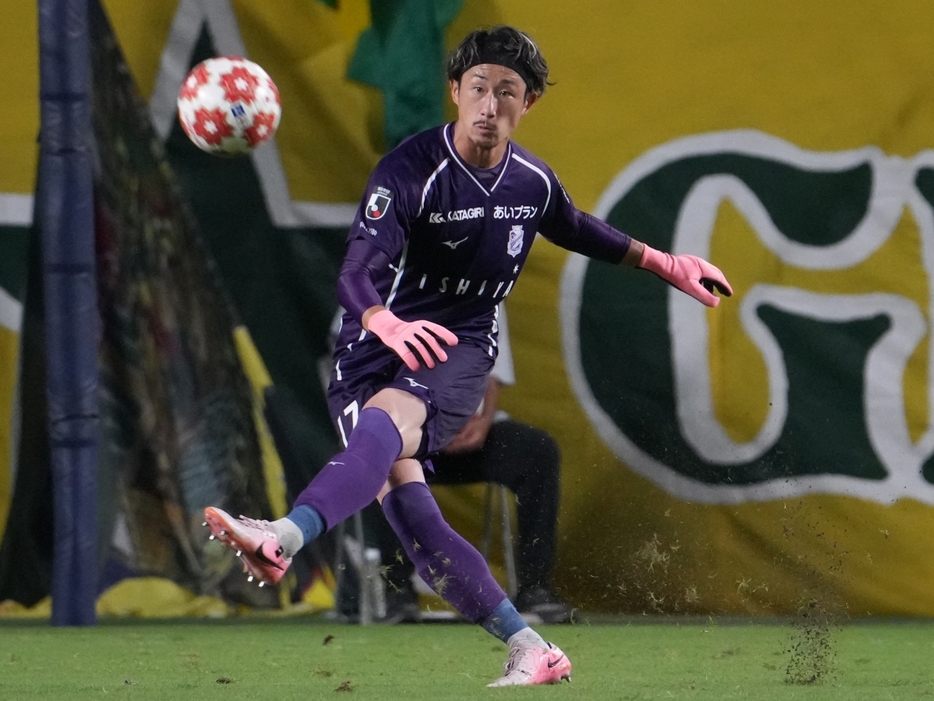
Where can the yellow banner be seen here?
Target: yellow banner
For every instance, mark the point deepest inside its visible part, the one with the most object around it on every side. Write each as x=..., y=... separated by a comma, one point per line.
x=19, y=127
x=752, y=110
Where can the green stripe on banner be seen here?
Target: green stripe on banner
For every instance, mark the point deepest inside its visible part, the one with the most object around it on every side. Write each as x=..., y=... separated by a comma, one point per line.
x=12, y=259
x=403, y=55
x=12, y=270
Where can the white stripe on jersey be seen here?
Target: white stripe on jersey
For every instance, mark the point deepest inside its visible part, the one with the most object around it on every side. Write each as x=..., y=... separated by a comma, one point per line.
x=431, y=180
x=394, y=289
x=541, y=173
x=460, y=162
x=492, y=336
x=398, y=278
x=502, y=173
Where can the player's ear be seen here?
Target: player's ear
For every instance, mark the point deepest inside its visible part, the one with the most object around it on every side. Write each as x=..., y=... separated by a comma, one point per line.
x=530, y=99
x=455, y=90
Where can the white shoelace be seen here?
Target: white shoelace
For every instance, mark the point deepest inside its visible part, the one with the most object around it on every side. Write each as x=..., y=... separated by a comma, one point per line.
x=261, y=524
x=515, y=657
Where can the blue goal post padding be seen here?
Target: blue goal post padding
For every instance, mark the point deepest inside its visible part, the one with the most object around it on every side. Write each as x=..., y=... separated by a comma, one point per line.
x=65, y=215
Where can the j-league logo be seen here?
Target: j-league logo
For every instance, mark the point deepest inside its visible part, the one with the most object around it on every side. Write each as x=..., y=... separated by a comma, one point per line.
x=378, y=203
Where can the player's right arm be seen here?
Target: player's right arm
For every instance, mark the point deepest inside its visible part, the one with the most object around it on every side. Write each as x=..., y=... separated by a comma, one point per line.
x=379, y=232
x=415, y=342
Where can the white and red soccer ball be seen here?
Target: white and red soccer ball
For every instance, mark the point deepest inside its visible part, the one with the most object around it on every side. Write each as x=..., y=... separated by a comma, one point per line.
x=228, y=105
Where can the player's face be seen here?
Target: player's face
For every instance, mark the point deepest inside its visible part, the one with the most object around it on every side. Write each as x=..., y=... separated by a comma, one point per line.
x=490, y=101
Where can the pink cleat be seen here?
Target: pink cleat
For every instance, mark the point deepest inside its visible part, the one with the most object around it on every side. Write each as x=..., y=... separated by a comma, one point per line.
x=255, y=542
x=529, y=665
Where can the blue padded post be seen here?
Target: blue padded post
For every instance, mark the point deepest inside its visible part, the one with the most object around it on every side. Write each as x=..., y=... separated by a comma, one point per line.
x=65, y=215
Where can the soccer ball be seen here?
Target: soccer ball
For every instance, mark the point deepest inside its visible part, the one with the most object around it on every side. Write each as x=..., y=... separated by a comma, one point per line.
x=228, y=105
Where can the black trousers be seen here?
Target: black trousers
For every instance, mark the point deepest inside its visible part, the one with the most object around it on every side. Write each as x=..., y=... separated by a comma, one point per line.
x=525, y=460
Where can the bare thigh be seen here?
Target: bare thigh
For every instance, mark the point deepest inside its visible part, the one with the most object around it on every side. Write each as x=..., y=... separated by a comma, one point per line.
x=403, y=471
x=407, y=412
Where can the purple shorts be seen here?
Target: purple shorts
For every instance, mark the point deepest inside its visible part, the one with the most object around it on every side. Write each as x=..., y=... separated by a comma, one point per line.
x=452, y=390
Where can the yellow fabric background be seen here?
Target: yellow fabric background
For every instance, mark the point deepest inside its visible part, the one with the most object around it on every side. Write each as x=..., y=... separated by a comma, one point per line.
x=629, y=76
x=19, y=125
x=19, y=120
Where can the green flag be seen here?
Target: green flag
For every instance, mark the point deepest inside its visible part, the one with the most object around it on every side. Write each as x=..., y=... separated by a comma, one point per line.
x=402, y=54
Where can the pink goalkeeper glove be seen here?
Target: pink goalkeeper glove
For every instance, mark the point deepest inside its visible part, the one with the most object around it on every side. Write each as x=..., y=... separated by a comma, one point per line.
x=690, y=274
x=413, y=341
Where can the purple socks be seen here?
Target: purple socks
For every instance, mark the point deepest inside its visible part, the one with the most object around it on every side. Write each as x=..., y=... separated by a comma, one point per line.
x=354, y=477
x=448, y=563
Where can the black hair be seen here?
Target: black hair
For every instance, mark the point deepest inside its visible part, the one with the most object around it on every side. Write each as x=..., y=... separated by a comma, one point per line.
x=504, y=46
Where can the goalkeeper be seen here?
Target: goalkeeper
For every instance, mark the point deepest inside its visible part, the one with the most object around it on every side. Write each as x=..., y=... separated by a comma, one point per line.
x=442, y=233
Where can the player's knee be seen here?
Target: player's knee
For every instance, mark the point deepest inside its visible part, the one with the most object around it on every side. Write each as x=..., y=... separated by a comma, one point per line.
x=406, y=411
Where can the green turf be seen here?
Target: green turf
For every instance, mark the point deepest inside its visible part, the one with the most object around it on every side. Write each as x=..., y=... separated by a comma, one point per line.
x=315, y=659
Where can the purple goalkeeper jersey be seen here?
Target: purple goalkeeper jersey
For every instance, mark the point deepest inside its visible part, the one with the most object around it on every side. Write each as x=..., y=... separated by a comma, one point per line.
x=458, y=241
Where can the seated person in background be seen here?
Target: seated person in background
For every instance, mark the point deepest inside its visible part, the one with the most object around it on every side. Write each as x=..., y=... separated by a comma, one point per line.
x=493, y=447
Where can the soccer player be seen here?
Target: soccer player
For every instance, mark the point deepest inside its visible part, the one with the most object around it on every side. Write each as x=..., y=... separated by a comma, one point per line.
x=444, y=228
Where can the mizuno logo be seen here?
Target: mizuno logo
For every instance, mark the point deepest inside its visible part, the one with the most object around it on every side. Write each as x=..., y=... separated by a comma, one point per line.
x=413, y=383
x=454, y=244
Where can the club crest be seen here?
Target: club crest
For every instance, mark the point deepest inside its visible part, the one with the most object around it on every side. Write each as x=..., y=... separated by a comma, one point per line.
x=516, y=237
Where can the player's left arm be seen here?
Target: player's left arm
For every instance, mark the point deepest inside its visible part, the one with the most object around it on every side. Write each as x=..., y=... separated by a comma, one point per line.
x=690, y=274
x=583, y=233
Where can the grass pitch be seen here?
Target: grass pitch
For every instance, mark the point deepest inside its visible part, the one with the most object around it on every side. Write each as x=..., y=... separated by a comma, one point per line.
x=316, y=659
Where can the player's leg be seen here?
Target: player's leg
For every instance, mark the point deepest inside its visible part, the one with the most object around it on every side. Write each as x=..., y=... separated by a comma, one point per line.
x=460, y=575
x=388, y=426
x=402, y=599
